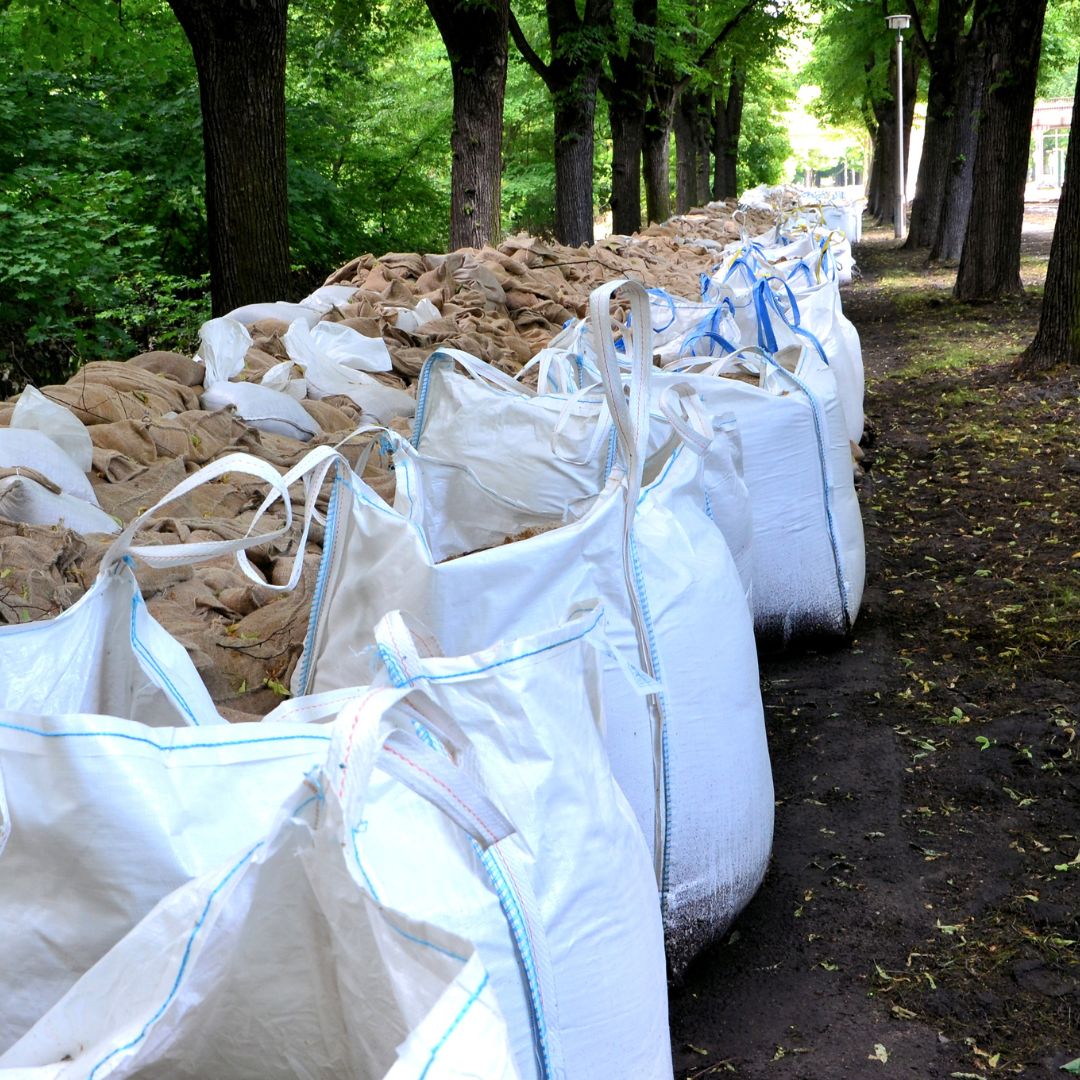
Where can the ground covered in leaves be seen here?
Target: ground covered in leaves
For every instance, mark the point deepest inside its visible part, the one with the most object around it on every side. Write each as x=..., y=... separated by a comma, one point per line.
x=922, y=914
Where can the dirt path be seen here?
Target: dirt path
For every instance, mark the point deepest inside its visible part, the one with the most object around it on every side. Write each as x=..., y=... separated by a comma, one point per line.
x=922, y=911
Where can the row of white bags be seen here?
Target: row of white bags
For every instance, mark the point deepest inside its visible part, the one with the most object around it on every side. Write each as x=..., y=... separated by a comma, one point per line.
x=312, y=893
x=783, y=495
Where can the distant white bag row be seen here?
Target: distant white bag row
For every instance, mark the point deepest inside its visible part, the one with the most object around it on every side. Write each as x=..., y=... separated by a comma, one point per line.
x=692, y=759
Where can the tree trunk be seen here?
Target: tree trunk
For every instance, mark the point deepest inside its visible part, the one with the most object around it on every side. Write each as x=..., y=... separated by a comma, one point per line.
x=964, y=138
x=239, y=52
x=574, y=115
x=727, y=127
x=941, y=105
x=627, y=119
x=686, y=153
x=703, y=135
x=990, y=261
x=475, y=37
x=656, y=153
x=1057, y=340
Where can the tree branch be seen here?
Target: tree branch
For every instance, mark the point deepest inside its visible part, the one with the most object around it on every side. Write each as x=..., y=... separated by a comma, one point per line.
x=729, y=28
x=528, y=53
x=920, y=34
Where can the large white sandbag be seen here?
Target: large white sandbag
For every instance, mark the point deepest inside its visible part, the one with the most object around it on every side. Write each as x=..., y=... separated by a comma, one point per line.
x=327, y=297
x=119, y=780
x=29, y=449
x=808, y=549
x=530, y=715
x=337, y=360
x=550, y=451
x=35, y=412
x=224, y=344
x=778, y=314
x=411, y=319
x=23, y=499
x=273, y=962
x=692, y=760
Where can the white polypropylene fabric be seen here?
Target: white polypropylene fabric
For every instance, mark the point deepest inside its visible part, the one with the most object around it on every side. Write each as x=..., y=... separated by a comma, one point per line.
x=267, y=960
x=577, y=870
x=808, y=550
x=29, y=449
x=778, y=314
x=23, y=499
x=551, y=451
x=337, y=360
x=35, y=412
x=693, y=760
x=224, y=344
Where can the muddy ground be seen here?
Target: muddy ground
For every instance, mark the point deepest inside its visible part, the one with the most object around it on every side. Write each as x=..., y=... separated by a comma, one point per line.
x=922, y=911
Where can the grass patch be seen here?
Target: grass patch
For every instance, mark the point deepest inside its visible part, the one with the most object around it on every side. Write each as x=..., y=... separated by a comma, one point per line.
x=943, y=358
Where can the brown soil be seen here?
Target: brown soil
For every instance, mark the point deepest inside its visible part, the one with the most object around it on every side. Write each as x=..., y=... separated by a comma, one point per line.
x=923, y=904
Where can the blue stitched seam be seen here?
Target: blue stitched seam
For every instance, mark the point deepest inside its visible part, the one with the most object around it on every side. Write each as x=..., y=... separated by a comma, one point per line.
x=157, y=746
x=183, y=963
x=421, y=400
x=511, y=909
x=144, y=652
x=329, y=546
x=399, y=678
x=457, y=1020
x=818, y=425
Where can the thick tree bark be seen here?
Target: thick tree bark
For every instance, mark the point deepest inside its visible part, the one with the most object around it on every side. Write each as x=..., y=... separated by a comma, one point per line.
x=239, y=52
x=1057, y=340
x=474, y=33
x=656, y=156
x=990, y=261
x=627, y=119
x=727, y=127
x=703, y=135
x=625, y=92
x=964, y=139
x=574, y=116
x=942, y=99
x=578, y=44
x=686, y=153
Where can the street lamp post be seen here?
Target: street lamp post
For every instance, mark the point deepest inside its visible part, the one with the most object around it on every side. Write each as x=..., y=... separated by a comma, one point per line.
x=899, y=23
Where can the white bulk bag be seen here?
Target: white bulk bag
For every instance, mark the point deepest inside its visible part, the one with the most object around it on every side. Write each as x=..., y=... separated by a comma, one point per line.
x=25, y=448
x=224, y=344
x=35, y=412
x=550, y=451
x=23, y=499
x=337, y=360
x=527, y=715
x=777, y=314
x=808, y=550
x=693, y=762
x=272, y=962
x=279, y=310
x=327, y=297
x=106, y=653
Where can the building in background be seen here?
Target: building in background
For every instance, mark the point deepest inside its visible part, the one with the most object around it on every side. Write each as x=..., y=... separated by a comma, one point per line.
x=1050, y=126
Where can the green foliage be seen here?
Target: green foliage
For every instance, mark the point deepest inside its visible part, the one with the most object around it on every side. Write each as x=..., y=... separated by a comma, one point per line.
x=1060, y=49
x=763, y=140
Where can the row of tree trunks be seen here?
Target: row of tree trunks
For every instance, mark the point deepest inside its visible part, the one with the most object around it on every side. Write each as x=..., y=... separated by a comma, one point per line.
x=990, y=261
x=474, y=33
x=239, y=53
x=656, y=150
x=952, y=218
x=693, y=124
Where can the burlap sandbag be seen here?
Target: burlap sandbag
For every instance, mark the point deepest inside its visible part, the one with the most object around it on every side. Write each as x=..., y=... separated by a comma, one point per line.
x=106, y=391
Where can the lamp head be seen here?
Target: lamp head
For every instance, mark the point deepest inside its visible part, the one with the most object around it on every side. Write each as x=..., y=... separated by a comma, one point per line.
x=898, y=22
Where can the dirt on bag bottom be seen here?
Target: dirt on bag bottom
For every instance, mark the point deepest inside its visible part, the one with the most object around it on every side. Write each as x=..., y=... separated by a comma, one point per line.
x=922, y=911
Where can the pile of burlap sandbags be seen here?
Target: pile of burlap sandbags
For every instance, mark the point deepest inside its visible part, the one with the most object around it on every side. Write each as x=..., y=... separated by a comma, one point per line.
x=149, y=429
